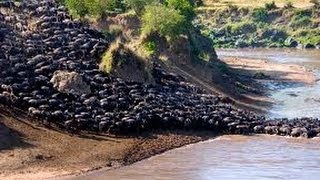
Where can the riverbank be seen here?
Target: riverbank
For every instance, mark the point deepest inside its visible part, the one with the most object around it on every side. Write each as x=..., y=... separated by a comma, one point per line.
x=34, y=152
x=37, y=152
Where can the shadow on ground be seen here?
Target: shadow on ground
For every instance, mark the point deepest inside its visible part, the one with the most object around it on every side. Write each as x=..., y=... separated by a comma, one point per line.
x=11, y=139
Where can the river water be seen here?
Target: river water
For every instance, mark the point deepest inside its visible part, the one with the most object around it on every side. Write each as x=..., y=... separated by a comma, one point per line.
x=245, y=157
x=291, y=99
x=228, y=157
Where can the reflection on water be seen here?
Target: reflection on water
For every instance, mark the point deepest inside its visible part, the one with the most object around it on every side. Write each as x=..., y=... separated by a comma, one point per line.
x=291, y=99
x=229, y=157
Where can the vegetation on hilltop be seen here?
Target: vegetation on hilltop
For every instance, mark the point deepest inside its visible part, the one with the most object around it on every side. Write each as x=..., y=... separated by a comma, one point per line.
x=168, y=18
x=268, y=26
x=148, y=30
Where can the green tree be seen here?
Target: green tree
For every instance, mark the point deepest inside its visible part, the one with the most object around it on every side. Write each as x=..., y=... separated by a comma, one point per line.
x=163, y=20
x=138, y=5
x=81, y=8
x=94, y=7
x=77, y=8
x=185, y=7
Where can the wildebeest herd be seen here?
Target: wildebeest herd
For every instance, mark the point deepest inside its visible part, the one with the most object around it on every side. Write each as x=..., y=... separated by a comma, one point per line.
x=38, y=38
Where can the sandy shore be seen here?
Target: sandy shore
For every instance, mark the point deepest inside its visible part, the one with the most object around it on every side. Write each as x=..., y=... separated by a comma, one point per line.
x=270, y=70
x=28, y=151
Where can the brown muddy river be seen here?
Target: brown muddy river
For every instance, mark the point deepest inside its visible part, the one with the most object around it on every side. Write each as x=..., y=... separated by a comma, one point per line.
x=228, y=157
x=245, y=157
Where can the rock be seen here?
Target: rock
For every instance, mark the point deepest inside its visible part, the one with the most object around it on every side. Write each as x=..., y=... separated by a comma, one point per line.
x=69, y=82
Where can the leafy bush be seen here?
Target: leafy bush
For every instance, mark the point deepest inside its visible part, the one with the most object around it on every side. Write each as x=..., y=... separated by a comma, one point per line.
x=184, y=6
x=95, y=7
x=274, y=34
x=138, y=5
x=300, y=22
x=106, y=64
x=163, y=20
x=260, y=15
x=151, y=47
x=311, y=36
x=243, y=27
x=81, y=8
x=303, y=13
x=204, y=56
x=270, y=6
x=77, y=8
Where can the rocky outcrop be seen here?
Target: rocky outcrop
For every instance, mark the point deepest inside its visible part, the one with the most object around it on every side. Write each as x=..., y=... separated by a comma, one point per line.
x=69, y=82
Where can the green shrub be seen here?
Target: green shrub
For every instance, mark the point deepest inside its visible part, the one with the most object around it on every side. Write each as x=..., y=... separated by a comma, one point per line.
x=300, y=22
x=274, y=34
x=151, y=47
x=106, y=64
x=260, y=15
x=270, y=6
x=81, y=8
x=302, y=13
x=184, y=6
x=138, y=5
x=311, y=36
x=241, y=27
x=163, y=20
x=205, y=56
x=77, y=8
x=94, y=7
